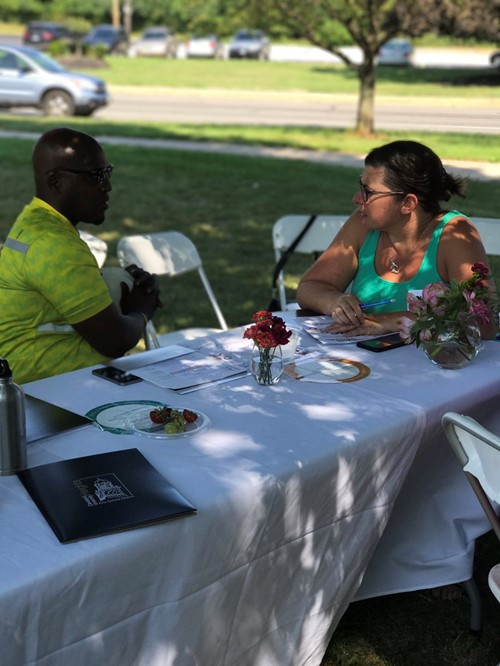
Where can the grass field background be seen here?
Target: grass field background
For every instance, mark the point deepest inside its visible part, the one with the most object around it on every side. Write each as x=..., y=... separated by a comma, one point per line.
x=226, y=204
x=299, y=77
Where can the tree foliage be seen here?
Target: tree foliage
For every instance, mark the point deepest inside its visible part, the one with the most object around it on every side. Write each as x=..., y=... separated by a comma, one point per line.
x=477, y=19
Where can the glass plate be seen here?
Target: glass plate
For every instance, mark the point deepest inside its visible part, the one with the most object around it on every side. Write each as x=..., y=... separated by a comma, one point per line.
x=114, y=416
x=141, y=423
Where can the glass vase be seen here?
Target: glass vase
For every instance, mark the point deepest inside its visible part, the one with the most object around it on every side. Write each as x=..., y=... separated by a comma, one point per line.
x=266, y=365
x=456, y=346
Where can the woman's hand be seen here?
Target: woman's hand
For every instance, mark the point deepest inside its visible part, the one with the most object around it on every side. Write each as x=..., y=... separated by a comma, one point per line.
x=346, y=312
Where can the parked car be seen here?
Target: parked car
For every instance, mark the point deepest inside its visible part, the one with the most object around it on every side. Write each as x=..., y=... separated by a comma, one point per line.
x=250, y=44
x=30, y=78
x=40, y=34
x=495, y=59
x=396, y=52
x=113, y=39
x=204, y=46
x=155, y=41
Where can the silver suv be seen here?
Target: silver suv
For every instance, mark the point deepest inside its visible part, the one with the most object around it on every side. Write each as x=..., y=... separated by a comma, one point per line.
x=30, y=78
x=156, y=41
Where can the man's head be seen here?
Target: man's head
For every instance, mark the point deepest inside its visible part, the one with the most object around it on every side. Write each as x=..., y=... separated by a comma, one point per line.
x=72, y=175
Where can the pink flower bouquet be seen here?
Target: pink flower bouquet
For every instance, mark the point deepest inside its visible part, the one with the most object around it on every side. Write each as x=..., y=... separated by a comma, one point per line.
x=450, y=313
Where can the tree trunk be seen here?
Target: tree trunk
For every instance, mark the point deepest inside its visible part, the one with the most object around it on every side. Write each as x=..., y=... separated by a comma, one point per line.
x=115, y=13
x=365, y=121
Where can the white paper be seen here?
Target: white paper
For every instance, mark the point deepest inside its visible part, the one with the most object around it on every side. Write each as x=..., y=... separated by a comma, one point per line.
x=315, y=327
x=191, y=370
x=146, y=358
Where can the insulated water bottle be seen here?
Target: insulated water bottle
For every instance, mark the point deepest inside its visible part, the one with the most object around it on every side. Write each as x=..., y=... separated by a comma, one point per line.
x=12, y=423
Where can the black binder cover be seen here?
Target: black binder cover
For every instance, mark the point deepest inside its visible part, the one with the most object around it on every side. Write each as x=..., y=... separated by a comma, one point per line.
x=104, y=493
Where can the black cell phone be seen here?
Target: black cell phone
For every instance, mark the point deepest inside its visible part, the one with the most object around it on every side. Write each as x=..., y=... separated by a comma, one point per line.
x=116, y=375
x=383, y=343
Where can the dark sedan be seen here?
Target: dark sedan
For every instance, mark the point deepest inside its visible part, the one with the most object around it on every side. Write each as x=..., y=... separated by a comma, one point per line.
x=112, y=39
x=39, y=34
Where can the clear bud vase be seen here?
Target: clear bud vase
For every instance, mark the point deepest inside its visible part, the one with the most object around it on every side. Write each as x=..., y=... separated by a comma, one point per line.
x=266, y=365
x=456, y=346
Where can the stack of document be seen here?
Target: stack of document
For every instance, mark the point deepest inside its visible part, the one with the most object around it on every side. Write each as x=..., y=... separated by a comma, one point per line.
x=183, y=369
x=316, y=328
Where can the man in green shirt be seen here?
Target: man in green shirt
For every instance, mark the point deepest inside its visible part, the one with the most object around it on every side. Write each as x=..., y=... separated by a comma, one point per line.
x=57, y=313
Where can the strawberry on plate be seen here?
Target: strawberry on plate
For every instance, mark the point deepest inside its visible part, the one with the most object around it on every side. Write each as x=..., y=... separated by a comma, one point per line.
x=189, y=416
x=160, y=414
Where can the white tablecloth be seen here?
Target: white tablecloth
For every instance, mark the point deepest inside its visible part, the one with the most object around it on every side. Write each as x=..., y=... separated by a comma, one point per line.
x=293, y=484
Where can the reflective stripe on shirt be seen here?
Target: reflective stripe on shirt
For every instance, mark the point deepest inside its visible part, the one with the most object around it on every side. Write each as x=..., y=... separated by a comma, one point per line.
x=16, y=245
x=55, y=328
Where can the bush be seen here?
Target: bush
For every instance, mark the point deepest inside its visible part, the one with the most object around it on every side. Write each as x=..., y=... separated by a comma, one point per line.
x=58, y=48
x=98, y=51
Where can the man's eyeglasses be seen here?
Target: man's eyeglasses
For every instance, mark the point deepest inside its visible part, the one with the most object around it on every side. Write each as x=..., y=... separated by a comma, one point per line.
x=366, y=193
x=99, y=175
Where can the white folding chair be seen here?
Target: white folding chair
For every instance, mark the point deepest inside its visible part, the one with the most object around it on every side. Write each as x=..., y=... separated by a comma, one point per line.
x=478, y=452
x=317, y=238
x=489, y=230
x=98, y=247
x=169, y=253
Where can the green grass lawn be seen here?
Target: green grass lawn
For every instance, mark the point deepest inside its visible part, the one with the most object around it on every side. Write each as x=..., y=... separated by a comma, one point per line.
x=414, y=629
x=226, y=204
x=475, y=147
x=298, y=77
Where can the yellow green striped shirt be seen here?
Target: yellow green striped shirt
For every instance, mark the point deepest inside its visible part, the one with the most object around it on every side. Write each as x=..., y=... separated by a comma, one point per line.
x=49, y=280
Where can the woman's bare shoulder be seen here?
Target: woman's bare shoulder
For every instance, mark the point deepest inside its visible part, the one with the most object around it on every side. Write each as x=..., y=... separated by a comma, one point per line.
x=460, y=248
x=459, y=226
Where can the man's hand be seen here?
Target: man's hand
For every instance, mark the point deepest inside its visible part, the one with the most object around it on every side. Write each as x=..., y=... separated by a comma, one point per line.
x=145, y=282
x=145, y=294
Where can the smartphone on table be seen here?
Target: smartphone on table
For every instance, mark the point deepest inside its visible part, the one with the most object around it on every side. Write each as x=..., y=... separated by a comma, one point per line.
x=382, y=343
x=116, y=375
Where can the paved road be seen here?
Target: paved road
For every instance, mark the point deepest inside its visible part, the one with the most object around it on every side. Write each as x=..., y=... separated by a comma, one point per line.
x=300, y=110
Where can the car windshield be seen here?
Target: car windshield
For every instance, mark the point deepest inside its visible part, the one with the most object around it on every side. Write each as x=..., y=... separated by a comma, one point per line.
x=247, y=36
x=154, y=34
x=102, y=33
x=45, y=62
x=395, y=46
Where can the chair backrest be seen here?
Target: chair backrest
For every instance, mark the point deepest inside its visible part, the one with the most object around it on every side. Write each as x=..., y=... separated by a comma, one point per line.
x=167, y=253
x=98, y=247
x=316, y=240
x=164, y=253
x=489, y=230
x=478, y=452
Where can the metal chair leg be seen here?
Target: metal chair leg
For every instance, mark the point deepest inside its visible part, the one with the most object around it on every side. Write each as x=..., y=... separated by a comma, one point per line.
x=475, y=605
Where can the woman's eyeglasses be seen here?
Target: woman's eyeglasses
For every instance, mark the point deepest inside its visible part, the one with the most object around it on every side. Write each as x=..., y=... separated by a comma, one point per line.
x=366, y=193
x=99, y=175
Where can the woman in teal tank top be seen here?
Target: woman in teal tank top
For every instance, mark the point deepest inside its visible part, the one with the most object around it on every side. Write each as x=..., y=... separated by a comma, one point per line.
x=370, y=287
x=399, y=239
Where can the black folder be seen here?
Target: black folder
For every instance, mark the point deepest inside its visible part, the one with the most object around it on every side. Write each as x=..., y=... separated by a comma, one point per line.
x=99, y=494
